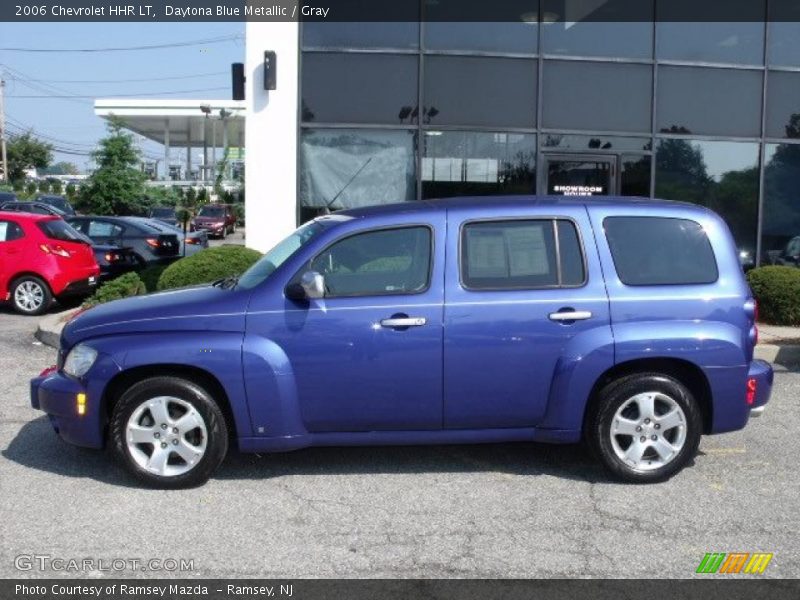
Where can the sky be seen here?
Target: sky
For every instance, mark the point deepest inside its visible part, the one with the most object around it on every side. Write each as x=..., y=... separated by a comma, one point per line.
x=69, y=123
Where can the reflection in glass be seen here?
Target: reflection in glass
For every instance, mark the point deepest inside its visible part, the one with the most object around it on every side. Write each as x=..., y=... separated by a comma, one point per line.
x=740, y=40
x=318, y=34
x=348, y=168
x=720, y=175
x=709, y=101
x=483, y=91
x=596, y=96
x=359, y=88
x=616, y=28
x=518, y=38
x=611, y=143
x=780, y=237
x=634, y=175
x=784, y=33
x=579, y=176
x=783, y=104
x=465, y=163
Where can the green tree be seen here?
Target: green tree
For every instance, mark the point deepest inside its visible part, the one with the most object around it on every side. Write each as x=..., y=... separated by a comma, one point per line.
x=24, y=152
x=44, y=186
x=57, y=187
x=30, y=188
x=72, y=192
x=116, y=187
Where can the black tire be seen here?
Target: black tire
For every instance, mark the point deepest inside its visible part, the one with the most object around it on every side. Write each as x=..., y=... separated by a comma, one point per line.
x=34, y=283
x=616, y=394
x=190, y=393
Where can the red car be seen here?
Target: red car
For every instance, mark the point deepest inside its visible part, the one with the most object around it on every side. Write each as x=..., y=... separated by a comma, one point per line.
x=42, y=257
x=217, y=219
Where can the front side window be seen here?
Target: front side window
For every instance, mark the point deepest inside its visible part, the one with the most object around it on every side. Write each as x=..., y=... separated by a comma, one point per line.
x=660, y=251
x=507, y=255
x=377, y=263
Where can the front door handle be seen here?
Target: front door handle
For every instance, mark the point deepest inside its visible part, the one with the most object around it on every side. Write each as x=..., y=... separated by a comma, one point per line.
x=394, y=322
x=570, y=315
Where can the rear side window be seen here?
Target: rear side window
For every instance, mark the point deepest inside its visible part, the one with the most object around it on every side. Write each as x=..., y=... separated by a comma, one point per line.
x=10, y=231
x=521, y=254
x=660, y=251
x=59, y=230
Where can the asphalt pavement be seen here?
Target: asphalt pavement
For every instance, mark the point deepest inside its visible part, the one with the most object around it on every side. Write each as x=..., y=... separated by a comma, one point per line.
x=510, y=510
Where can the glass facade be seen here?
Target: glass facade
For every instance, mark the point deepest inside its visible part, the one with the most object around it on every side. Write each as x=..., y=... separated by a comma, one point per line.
x=701, y=112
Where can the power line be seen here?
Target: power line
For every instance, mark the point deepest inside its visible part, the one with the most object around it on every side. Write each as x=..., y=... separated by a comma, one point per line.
x=200, y=42
x=129, y=95
x=148, y=79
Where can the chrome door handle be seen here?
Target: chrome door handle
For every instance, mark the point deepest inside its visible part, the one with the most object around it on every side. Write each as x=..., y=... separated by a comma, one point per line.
x=404, y=322
x=573, y=315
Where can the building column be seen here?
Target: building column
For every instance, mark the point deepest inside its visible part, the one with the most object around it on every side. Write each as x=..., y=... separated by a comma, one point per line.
x=271, y=134
x=166, y=150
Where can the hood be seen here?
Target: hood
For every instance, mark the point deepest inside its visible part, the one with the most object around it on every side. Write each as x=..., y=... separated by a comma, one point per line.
x=204, y=308
x=219, y=219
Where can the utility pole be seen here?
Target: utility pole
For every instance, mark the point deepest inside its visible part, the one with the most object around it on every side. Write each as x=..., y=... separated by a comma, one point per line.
x=3, y=155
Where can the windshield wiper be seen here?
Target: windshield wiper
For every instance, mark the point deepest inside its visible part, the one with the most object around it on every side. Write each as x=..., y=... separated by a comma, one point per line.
x=226, y=282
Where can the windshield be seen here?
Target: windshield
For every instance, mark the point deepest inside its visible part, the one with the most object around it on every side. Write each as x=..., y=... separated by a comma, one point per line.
x=281, y=253
x=211, y=211
x=162, y=212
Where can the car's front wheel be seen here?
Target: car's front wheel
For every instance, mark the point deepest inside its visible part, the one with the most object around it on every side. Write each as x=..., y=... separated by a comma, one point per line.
x=169, y=432
x=645, y=427
x=30, y=295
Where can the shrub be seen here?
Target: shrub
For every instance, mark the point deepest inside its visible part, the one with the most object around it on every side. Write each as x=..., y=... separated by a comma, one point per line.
x=207, y=266
x=150, y=275
x=777, y=290
x=123, y=286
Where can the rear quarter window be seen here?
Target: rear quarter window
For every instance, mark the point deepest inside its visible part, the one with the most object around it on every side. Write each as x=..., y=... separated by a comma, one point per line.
x=660, y=251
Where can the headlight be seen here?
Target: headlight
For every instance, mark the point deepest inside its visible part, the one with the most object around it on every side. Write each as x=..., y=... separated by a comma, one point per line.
x=79, y=360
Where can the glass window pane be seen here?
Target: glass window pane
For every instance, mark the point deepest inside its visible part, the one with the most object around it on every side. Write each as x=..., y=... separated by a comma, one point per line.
x=709, y=101
x=783, y=104
x=780, y=238
x=660, y=251
x=482, y=37
x=466, y=163
x=706, y=40
x=596, y=96
x=359, y=88
x=720, y=175
x=569, y=246
x=377, y=263
x=356, y=167
x=618, y=28
x=508, y=255
x=317, y=34
x=493, y=92
x=595, y=143
x=635, y=175
x=784, y=33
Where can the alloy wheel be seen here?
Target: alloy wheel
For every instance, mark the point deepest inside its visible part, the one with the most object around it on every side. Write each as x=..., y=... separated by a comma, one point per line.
x=29, y=296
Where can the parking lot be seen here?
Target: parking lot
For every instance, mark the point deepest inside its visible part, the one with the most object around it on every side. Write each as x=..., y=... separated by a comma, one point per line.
x=488, y=511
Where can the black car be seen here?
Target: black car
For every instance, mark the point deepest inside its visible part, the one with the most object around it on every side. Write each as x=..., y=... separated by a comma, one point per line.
x=7, y=197
x=149, y=245
x=59, y=202
x=164, y=213
x=114, y=261
x=38, y=208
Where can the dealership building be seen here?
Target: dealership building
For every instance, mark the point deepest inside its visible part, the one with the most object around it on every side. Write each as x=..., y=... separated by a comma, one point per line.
x=374, y=113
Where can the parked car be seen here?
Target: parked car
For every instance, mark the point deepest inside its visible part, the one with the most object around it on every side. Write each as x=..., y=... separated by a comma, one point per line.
x=38, y=208
x=164, y=213
x=217, y=219
x=190, y=243
x=41, y=258
x=626, y=322
x=59, y=202
x=7, y=197
x=790, y=255
x=148, y=244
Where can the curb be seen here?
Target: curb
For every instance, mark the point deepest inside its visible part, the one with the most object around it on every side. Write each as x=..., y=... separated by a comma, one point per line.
x=783, y=354
x=48, y=331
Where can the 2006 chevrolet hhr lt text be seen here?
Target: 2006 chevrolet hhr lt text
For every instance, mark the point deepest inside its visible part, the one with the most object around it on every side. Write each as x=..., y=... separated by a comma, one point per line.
x=625, y=322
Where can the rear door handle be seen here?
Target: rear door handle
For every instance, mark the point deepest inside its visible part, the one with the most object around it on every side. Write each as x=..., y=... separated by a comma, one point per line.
x=572, y=315
x=403, y=322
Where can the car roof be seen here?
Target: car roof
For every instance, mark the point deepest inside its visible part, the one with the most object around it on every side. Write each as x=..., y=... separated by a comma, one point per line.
x=507, y=202
x=5, y=214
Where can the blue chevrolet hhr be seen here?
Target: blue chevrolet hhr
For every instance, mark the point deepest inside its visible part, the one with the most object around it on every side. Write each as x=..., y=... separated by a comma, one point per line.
x=625, y=322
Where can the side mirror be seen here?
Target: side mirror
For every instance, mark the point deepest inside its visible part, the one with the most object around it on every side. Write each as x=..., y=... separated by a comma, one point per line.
x=311, y=285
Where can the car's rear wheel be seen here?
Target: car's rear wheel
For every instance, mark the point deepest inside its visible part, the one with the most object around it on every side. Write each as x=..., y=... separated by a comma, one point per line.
x=645, y=427
x=30, y=295
x=169, y=432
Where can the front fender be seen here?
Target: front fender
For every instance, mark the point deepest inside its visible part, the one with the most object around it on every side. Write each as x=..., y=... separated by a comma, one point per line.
x=217, y=353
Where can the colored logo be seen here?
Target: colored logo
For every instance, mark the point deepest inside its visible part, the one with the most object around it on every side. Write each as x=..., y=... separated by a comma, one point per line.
x=734, y=562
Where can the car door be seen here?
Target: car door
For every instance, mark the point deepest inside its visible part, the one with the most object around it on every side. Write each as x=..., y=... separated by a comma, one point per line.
x=12, y=247
x=368, y=355
x=520, y=287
